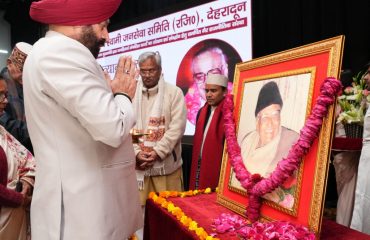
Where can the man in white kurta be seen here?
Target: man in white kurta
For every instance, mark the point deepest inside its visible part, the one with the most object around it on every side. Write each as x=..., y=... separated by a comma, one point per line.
x=79, y=123
x=361, y=210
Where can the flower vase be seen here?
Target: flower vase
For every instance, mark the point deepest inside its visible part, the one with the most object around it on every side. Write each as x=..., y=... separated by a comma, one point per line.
x=353, y=130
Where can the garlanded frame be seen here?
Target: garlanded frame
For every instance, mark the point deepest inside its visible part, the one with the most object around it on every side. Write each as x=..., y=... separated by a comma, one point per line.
x=318, y=61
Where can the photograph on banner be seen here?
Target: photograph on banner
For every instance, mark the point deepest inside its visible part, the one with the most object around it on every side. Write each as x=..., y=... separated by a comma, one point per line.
x=208, y=56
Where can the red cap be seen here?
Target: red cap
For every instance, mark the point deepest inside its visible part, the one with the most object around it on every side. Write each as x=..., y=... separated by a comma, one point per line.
x=73, y=12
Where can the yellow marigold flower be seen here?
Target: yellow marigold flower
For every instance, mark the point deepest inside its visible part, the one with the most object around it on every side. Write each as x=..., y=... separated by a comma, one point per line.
x=211, y=238
x=193, y=225
x=182, y=195
x=154, y=197
x=200, y=231
x=216, y=189
x=170, y=206
x=208, y=190
x=195, y=192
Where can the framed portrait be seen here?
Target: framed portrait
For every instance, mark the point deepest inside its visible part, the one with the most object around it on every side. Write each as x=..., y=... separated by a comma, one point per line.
x=273, y=97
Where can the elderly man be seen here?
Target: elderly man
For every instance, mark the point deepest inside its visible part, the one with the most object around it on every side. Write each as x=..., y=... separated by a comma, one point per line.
x=209, y=135
x=161, y=112
x=13, y=118
x=209, y=59
x=80, y=122
x=263, y=148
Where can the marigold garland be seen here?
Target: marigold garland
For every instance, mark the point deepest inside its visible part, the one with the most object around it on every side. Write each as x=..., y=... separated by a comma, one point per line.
x=192, y=225
x=258, y=186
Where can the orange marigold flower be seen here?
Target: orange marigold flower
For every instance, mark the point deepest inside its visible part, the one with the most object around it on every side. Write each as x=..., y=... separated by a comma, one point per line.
x=164, y=204
x=178, y=214
x=151, y=194
x=189, y=193
x=186, y=220
x=174, y=193
x=160, y=200
x=200, y=232
x=164, y=194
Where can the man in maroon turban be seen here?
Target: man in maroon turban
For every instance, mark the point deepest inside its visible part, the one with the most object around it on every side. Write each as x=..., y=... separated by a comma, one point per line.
x=79, y=122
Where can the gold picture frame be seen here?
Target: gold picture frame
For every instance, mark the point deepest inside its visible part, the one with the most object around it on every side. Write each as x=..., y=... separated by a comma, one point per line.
x=298, y=73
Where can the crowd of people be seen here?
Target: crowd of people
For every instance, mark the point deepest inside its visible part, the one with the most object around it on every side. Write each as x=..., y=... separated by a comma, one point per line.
x=88, y=179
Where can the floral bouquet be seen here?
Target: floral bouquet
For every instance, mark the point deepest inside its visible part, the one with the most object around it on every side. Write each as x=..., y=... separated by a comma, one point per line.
x=354, y=101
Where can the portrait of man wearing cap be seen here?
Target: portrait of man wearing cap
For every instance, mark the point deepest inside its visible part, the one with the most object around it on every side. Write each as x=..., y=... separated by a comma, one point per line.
x=13, y=119
x=265, y=146
x=79, y=121
x=209, y=135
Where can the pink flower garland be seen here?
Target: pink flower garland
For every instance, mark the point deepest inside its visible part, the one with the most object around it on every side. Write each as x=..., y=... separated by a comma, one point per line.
x=257, y=186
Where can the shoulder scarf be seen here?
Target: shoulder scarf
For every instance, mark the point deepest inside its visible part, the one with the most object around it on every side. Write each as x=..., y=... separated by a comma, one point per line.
x=156, y=125
x=212, y=149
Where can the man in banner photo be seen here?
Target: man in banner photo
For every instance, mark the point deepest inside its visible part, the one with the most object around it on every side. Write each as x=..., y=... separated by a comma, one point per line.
x=210, y=56
x=264, y=147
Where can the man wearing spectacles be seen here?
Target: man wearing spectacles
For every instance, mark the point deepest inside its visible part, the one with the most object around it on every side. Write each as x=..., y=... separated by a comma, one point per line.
x=208, y=60
x=264, y=147
x=161, y=112
x=3, y=95
x=13, y=119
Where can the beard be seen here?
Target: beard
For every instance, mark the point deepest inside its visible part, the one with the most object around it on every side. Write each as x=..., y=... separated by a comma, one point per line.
x=89, y=39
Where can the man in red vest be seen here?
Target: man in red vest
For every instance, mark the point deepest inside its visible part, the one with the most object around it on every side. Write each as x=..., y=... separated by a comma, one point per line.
x=209, y=135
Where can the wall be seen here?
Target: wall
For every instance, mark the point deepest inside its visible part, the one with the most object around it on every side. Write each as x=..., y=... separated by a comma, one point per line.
x=4, y=40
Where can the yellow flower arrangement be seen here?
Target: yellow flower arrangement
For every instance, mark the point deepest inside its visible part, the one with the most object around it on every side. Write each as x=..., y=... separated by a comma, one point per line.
x=161, y=199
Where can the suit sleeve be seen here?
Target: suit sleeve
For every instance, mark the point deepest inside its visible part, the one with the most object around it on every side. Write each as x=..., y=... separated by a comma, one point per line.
x=73, y=79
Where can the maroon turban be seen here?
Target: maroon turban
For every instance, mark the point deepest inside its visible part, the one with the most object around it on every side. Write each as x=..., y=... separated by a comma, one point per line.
x=73, y=12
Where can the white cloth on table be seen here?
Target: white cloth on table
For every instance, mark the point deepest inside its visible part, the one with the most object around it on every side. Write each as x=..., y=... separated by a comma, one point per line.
x=345, y=164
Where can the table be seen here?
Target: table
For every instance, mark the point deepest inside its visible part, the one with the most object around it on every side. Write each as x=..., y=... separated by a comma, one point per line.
x=346, y=144
x=161, y=225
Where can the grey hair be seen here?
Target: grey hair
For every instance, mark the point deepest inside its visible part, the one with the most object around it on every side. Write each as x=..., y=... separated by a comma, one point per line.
x=155, y=55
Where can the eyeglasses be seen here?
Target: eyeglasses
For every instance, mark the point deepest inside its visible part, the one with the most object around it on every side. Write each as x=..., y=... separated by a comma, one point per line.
x=3, y=96
x=201, y=76
x=148, y=71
